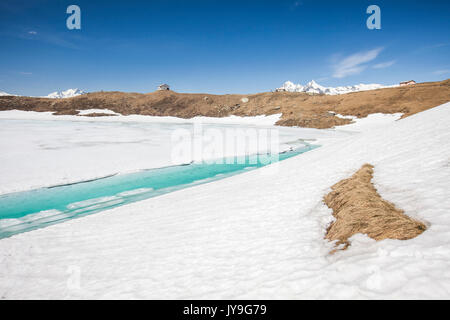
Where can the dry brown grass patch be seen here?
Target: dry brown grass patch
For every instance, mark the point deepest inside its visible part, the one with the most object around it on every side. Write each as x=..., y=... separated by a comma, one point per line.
x=358, y=208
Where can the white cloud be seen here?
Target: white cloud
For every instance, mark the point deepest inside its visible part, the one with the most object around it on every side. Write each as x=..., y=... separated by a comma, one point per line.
x=354, y=63
x=26, y=73
x=32, y=32
x=383, y=65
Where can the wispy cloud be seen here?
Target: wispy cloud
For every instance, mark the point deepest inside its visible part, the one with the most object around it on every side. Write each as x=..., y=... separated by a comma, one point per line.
x=355, y=63
x=383, y=65
x=26, y=73
x=437, y=45
x=441, y=72
x=64, y=39
x=425, y=49
x=57, y=39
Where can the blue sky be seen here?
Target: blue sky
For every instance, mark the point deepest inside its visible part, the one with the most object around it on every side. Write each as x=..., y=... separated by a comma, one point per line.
x=222, y=46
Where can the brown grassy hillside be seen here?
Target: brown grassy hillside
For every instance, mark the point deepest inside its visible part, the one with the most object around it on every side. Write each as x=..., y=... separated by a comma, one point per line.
x=298, y=109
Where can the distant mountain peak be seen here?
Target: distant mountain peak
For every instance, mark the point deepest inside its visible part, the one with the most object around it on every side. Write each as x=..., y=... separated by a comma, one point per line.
x=69, y=93
x=2, y=93
x=314, y=87
x=312, y=83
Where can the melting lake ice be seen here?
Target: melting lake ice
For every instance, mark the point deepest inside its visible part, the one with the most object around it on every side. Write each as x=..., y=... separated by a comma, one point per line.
x=28, y=210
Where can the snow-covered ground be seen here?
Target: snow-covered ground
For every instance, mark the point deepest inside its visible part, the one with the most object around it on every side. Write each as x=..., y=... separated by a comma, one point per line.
x=256, y=235
x=40, y=149
x=261, y=120
x=314, y=87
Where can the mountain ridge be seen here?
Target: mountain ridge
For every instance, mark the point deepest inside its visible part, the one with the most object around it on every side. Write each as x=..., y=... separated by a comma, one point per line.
x=297, y=108
x=313, y=87
x=69, y=93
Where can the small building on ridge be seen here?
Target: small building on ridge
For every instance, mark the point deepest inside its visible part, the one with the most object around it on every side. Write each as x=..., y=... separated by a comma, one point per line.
x=163, y=87
x=407, y=83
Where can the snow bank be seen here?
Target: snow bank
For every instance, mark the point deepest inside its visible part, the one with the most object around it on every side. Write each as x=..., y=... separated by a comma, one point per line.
x=261, y=120
x=372, y=121
x=258, y=235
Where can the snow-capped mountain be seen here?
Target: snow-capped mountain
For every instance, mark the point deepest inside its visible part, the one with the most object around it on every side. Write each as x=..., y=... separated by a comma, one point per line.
x=5, y=94
x=314, y=87
x=65, y=94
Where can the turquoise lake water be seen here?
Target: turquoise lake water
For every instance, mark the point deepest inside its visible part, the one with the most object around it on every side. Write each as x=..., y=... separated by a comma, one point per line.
x=25, y=211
